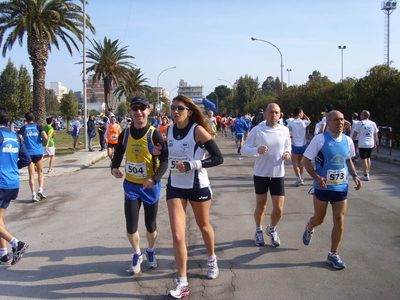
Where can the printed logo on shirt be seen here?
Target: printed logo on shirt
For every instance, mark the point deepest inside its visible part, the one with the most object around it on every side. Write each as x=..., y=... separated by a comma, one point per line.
x=10, y=149
x=184, y=147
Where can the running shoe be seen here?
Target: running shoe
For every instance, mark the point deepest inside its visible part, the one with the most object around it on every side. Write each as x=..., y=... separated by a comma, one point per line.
x=307, y=235
x=274, y=238
x=238, y=150
x=41, y=195
x=258, y=238
x=335, y=261
x=136, y=261
x=365, y=177
x=5, y=260
x=299, y=182
x=19, y=252
x=34, y=198
x=213, y=270
x=180, y=290
x=151, y=259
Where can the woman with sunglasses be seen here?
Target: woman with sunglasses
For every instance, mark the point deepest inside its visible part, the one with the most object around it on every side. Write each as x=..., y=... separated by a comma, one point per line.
x=188, y=140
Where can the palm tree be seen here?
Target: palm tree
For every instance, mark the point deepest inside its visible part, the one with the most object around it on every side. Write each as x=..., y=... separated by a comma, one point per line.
x=44, y=22
x=109, y=64
x=133, y=85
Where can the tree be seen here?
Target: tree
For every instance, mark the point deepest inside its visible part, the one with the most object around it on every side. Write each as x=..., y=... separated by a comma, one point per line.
x=246, y=91
x=51, y=101
x=317, y=77
x=123, y=108
x=271, y=85
x=108, y=64
x=8, y=90
x=133, y=85
x=24, y=92
x=69, y=107
x=44, y=22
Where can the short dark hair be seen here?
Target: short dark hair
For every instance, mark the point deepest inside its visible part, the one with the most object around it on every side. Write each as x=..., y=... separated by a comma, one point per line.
x=49, y=120
x=329, y=107
x=296, y=111
x=29, y=116
x=4, y=117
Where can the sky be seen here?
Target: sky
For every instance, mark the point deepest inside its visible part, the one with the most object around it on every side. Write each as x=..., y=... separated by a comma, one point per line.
x=209, y=40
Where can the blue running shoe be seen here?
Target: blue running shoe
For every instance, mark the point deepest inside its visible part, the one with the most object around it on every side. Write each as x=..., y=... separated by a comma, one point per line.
x=335, y=261
x=307, y=235
x=151, y=259
x=136, y=261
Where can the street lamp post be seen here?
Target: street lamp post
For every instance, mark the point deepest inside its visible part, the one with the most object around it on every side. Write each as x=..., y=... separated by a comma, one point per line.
x=255, y=39
x=227, y=82
x=288, y=76
x=158, y=88
x=169, y=108
x=342, y=48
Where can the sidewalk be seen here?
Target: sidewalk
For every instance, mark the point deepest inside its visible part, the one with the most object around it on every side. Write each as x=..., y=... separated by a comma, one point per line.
x=69, y=163
x=384, y=155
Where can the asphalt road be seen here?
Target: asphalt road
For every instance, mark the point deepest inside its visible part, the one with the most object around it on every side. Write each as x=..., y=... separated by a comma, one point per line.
x=78, y=248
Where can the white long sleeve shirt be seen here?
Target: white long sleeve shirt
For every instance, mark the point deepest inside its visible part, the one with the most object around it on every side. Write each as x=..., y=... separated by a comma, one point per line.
x=277, y=139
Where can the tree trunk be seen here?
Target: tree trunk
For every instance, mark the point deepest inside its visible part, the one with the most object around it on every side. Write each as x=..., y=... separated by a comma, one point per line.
x=38, y=50
x=107, y=90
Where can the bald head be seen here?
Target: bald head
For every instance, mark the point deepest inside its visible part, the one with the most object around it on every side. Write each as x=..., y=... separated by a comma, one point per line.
x=335, y=121
x=272, y=114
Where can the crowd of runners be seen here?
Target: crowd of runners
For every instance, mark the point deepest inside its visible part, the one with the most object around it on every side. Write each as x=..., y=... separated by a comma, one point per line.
x=185, y=146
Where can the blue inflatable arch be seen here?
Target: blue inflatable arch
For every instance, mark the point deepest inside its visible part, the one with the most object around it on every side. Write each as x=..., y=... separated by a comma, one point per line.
x=210, y=105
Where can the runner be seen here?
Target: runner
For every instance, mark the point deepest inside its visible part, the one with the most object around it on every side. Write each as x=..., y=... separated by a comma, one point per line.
x=49, y=150
x=269, y=143
x=113, y=131
x=332, y=152
x=142, y=182
x=13, y=156
x=188, y=140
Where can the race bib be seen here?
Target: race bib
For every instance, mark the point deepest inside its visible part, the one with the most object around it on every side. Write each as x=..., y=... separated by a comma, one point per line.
x=136, y=170
x=172, y=164
x=335, y=177
x=114, y=137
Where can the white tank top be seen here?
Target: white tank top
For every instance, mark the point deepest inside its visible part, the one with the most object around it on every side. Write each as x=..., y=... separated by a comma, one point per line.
x=186, y=149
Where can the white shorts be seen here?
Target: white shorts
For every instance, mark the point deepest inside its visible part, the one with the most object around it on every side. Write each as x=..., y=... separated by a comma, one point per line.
x=49, y=151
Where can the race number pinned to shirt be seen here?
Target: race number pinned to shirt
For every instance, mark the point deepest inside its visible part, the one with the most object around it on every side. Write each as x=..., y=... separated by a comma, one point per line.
x=335, y=177
x=172, y=164
x=136, y=170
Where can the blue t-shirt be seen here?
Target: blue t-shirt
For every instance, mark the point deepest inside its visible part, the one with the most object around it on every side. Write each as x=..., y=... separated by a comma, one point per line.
x=240, y=125
x=13, y=156
x=32, y=138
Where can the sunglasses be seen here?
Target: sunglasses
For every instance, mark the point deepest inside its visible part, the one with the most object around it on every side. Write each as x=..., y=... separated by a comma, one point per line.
x=179, y=108
x=136, y=108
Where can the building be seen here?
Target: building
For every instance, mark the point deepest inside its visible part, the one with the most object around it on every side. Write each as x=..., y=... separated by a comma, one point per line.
x=190, y=91
x=95, y=93
x=58, y=89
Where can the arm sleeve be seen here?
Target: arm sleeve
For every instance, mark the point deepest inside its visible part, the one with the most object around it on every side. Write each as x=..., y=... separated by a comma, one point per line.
x=163, y=157
x=119, y=151
x=24, y=159
x=215, y=158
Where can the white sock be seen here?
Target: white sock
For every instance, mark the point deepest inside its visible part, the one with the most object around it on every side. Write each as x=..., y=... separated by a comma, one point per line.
x=139, y=253
x=14, y=242
x=3, y=251
x=40, y=190
x=212, y=257
x=259, y=228
x=150, y=250
x=183, y=280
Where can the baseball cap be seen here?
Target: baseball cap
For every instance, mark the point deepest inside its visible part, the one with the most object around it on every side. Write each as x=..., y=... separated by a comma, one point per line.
x=141, y=100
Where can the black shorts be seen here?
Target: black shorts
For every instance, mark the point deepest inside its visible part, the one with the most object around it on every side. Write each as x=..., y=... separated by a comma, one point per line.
x=6, y=196
x=112, y=146
x=197, y=195
x=276, y=186
x=365, y=152
x=36, y=158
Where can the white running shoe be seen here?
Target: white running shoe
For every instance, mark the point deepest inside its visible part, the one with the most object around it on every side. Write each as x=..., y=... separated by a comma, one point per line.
x=299, y=182
x=364, y=178
x=274, y=238
x=213, y=270
x=180, y=290
x=34, y=198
